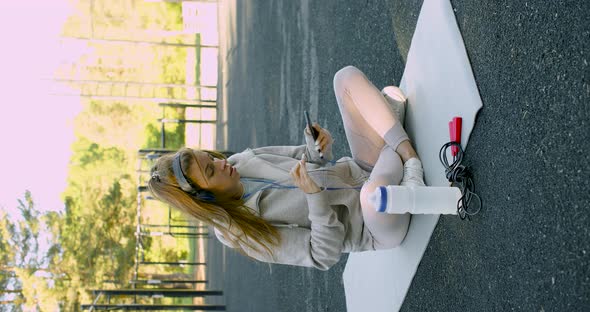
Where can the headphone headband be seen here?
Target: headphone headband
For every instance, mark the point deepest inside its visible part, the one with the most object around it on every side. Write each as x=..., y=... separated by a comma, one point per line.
x=180, y=177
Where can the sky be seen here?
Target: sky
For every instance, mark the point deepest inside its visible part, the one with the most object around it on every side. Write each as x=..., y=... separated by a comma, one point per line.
x=36, y=128
x=36, y=131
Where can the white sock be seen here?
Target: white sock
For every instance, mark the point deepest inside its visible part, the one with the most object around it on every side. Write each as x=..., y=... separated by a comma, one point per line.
x=413, y=173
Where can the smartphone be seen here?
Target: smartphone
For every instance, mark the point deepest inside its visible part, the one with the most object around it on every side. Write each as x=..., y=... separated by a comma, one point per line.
x=314, y=132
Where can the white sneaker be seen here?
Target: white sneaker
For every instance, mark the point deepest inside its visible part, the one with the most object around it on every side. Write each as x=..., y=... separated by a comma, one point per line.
x=397, y=100
x=413, y=173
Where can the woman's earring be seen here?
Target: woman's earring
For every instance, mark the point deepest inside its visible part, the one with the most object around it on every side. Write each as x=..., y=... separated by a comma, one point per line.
x=156, y=176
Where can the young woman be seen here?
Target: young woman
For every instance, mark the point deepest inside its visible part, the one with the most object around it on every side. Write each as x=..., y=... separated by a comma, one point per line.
x=292, y=204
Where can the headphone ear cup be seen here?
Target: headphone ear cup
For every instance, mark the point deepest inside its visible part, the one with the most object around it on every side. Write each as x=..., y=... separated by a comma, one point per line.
x=205, y=196
x=192, y=193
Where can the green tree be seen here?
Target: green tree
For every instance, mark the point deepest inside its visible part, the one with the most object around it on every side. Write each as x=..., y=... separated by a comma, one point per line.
x=25, y=276
x=129, y=19
x=93, y=238
x=96, y=230
x=10, y=288
x=175, y=133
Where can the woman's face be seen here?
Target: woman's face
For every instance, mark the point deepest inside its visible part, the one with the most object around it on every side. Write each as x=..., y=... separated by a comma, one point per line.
x=215, y=175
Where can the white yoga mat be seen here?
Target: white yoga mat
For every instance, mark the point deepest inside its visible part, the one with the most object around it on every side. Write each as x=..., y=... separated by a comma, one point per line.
x=439, y=84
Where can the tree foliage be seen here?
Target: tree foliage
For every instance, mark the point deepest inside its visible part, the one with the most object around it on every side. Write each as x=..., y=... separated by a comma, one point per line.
x=47, y=258
x=25, y=274
x=82, y=248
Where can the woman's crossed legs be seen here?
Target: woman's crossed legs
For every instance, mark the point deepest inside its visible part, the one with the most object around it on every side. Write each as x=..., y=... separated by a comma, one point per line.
x=368, y=119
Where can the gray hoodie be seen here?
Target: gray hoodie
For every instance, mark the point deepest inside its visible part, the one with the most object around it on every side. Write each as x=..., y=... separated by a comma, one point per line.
x=317, y=228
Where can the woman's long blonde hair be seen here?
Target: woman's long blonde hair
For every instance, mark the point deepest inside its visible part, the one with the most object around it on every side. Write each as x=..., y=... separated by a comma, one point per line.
x=238, y=223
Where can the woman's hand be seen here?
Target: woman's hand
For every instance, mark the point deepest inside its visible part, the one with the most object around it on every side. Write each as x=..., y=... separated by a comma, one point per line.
x=302, y=179
x=324, y=137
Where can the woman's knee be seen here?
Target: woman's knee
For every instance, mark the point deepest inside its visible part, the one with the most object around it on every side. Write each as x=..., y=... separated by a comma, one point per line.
x=368, y=188
x=389, y=230
x=395, y=233
x=347, y=77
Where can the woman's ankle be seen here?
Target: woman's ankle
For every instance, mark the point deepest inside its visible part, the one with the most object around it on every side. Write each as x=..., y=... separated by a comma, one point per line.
x=406, y=151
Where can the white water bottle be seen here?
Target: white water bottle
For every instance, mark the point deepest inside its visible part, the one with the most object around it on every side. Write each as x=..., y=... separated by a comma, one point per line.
x=396, y=199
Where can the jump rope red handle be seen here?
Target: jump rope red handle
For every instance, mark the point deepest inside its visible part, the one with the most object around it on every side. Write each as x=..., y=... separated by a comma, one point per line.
x=455, y=133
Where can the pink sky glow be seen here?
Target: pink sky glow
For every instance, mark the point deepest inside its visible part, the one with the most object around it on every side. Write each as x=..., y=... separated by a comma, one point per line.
x=35, y=129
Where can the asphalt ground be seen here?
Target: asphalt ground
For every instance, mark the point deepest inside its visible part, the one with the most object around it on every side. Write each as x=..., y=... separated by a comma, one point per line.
x=528, y=249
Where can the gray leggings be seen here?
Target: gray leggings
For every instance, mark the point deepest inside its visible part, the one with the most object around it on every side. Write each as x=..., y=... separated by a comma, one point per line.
x=354, y=93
